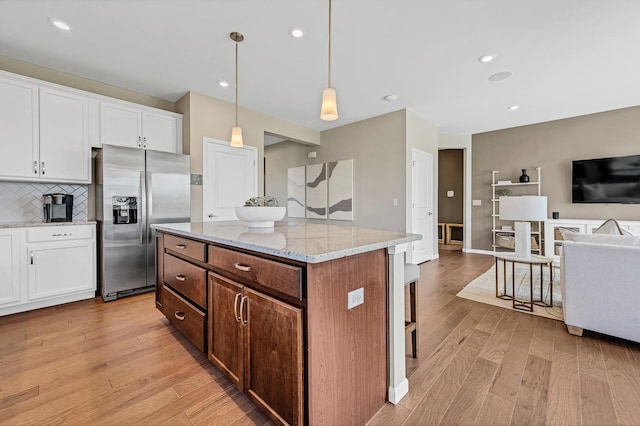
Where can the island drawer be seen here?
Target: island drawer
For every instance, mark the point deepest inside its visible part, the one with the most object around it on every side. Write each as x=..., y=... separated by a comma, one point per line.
x=282, y=278
x=186, y=278
x=185, y=246
x=188, y=319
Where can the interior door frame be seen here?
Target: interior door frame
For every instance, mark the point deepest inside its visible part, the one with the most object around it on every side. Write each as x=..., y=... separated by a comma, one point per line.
x=463, y=142
x=205, y=151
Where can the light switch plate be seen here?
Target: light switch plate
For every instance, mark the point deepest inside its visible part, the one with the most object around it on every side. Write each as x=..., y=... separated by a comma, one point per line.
x=355, y=298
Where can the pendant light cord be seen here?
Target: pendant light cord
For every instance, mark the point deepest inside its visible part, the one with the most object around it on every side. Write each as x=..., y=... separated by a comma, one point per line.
x=236, y=83
x=329, y=73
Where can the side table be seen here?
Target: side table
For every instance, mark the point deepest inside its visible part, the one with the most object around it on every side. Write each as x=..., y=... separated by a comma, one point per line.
x=534, y=259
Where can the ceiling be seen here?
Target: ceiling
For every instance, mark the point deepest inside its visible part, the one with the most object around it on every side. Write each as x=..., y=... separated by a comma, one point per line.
x=567, y=58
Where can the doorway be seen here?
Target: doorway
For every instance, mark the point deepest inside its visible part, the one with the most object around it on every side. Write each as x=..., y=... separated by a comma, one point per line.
x=451, y=199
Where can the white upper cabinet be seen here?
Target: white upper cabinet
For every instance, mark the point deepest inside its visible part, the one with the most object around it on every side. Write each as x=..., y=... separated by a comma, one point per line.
x=125, y=125
x=19, y=138
x=43, y=133
x=65, y=155
x=160, y=131
x=120, y=125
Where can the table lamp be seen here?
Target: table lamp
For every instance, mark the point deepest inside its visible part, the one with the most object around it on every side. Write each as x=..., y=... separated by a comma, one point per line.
x=522, y=209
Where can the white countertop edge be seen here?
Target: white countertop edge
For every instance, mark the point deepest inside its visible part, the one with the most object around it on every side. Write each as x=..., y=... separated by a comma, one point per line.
x=307, y=258
x=38, y=224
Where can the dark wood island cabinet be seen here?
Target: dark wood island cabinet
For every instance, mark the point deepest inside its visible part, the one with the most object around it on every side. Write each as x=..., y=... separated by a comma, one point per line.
x=276, y=322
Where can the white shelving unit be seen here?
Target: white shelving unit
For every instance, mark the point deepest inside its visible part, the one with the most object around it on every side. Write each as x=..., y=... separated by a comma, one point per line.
x=524, y=188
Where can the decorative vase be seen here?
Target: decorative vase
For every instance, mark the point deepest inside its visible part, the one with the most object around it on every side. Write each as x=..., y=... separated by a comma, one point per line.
x=524, y=177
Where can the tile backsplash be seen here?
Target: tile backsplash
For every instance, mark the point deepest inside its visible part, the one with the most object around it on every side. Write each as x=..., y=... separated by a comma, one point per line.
x=22, y=202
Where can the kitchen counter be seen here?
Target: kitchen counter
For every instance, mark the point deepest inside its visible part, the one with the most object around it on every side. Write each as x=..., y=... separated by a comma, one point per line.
x=4, y=225
x=305, y=242
x=336, y=291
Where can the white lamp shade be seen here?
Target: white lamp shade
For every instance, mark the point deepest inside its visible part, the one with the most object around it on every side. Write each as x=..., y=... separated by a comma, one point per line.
x=329, y=111
x=523, y=207
x=236, y=137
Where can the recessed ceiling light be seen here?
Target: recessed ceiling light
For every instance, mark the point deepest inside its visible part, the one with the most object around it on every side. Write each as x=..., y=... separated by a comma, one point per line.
x=502, y=75
x=513, y=107
x=390, y=98
x=487, y=58
x=223, y=83
x=61, y=25
x=296, y=32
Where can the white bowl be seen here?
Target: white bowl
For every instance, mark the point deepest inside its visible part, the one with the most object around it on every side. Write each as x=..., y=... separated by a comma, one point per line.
x=260, y=217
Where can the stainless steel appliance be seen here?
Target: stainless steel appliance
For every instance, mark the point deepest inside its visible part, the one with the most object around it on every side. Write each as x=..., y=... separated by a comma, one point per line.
x=57, y=207
x=134, y=189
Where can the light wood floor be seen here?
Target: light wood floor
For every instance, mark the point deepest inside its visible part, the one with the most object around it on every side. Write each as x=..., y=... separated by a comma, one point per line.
x=121, y=363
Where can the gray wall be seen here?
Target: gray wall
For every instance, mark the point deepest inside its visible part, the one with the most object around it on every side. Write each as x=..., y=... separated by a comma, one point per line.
x=552, y=146
x=278, y=158
x=377, y=146
x=450, y=178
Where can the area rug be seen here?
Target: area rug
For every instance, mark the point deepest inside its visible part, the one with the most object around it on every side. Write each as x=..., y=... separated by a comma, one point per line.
x=483, y=289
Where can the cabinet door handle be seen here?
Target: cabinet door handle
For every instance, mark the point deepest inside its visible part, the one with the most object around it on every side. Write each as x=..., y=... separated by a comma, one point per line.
x=42, y=168
x=241, y=267
x=181, y=277
x=179, y=315
x=35, y=167
x=181, y=246
x=139, y=141
x=235, y=308
x=32, y=258
x=244, y=320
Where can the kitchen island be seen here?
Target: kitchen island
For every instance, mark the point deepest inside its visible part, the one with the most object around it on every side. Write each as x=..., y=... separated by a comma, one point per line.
x=307, y=319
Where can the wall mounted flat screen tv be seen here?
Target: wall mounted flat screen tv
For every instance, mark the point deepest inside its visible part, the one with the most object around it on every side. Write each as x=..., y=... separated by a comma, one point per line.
x=607, y=180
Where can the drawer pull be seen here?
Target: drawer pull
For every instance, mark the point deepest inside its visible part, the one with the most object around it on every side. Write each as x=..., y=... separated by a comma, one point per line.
x=244, y=321
x=179, y=315
x=181, y=246
x=181, y=277
x=235, y=308
x=241, y=267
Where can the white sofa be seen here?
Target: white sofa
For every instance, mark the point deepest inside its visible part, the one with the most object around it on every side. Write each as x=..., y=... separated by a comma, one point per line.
x=601, y=288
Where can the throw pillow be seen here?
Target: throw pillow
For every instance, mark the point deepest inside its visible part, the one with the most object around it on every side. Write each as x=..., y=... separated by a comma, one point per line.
x=620, y=240
x=611, y=227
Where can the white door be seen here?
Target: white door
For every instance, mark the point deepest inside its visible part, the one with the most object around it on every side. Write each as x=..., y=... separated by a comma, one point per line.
x=422, y=205
x=230, y=177
x=65, y=155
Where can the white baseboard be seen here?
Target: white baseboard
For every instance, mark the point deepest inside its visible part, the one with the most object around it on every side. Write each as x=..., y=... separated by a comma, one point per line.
x=474, y=251
x=398, y=392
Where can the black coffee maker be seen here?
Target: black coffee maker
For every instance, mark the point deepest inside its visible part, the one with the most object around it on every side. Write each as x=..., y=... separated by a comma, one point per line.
x=57, y=207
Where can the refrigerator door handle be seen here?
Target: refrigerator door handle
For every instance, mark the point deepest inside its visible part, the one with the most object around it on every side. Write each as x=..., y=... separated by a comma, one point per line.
x=142, y=223
x=149, y=205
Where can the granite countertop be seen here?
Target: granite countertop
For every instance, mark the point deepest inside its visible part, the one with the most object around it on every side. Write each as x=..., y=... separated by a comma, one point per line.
x=305, y=242
x=32, y=224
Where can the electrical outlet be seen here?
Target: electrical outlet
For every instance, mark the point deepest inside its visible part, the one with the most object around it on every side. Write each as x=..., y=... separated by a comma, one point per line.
x=355, y=298
x=394, y=201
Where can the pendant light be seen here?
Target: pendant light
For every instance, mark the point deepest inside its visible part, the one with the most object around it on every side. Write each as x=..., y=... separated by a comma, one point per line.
x=329, y=110
x=236, y=131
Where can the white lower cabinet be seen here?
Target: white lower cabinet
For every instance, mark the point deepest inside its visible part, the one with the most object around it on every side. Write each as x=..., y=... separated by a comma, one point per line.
x=10, y=265
x=58, y=265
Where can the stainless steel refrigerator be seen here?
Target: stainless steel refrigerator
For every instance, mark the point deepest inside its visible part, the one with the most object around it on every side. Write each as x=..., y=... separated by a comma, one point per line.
x=134, y=189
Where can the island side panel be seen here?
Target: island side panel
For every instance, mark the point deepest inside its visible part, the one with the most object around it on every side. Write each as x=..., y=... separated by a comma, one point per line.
x=347, y=349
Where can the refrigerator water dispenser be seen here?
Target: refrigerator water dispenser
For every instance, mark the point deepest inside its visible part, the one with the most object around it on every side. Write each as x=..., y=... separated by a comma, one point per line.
x=125, y=210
